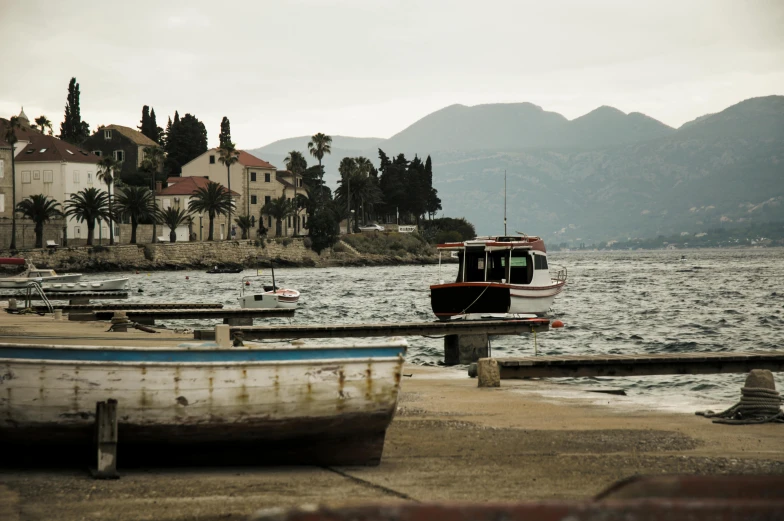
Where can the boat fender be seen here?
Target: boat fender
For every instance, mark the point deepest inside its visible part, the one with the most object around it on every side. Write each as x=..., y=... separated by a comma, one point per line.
x=557, y=324
x=187, y=277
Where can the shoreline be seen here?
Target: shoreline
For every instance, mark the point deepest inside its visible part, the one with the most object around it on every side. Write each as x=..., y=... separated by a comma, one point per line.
x=521, y=441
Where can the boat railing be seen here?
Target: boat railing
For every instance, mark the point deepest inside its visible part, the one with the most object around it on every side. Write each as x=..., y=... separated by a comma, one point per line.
x=35, y=287
x=560, y=273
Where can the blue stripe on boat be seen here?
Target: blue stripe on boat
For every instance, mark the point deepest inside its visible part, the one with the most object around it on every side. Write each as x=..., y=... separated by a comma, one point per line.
x=181, y=355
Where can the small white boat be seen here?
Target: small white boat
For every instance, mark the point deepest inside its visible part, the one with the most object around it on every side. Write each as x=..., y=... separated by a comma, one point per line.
x=33, y=274
x=270, y=296
x=87, y=285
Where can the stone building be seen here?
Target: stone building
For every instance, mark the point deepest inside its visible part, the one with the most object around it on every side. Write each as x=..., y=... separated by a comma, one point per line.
x=124, y=144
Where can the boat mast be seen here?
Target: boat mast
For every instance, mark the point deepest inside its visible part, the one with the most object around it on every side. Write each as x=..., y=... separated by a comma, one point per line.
x=504, y=202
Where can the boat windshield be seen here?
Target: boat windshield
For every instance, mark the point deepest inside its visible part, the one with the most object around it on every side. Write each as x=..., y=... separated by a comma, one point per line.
x=521, y=268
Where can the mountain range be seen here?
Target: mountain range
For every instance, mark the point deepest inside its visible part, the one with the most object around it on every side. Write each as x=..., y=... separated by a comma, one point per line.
x=603, y=176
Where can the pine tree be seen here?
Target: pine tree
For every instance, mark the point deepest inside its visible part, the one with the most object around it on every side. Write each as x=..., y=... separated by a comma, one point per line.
x=73, y=129
x=144, y=124
x=155, y=130
x=224, y=139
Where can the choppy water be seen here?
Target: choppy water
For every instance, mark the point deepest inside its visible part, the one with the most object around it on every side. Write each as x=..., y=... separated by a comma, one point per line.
x=615, y=302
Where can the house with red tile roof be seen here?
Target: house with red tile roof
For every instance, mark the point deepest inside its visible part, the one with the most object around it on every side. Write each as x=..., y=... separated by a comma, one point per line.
x=50, y=166
x=254, y=179
x=178, y=195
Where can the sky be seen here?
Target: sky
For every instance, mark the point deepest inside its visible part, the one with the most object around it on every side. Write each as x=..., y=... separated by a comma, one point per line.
x=370, y=68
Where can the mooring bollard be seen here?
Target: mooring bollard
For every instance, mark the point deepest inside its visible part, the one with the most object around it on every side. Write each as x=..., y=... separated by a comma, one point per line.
x=223, y=335
x=488, y=373
x=58, y=314
x=11, y=303
x=106, y=434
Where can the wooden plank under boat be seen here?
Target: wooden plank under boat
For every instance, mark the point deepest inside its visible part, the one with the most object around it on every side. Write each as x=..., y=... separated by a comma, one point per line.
x=326, y=405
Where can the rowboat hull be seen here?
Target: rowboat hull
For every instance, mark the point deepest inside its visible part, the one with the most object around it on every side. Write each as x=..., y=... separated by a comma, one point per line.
x=331, y=405
x=85, y=285
x=280, y=298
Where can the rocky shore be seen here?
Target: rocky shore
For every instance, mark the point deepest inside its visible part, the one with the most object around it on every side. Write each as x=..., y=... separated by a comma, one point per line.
x=196, y=255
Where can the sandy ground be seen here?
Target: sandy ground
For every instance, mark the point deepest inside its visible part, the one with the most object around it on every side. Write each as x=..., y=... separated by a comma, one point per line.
x=449, y=441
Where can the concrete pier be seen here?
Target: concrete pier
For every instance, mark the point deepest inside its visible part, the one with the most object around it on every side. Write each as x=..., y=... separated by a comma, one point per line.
x=465, y=349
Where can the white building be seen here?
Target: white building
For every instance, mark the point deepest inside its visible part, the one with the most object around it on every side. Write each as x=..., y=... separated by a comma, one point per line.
x=178, y=195
x=49, y=166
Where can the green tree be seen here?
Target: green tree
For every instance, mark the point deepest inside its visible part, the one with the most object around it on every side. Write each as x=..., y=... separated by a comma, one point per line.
x=107, y=167
x=153, y=160
x=324, y=228
x=149, y=126
x=224, y=138
x=319, y=145
x=155, y=130
x=73, y=129
x=296, y=164
x=433, y=204
x=11, y=139
x=214, y=200
x=39, y=209
x=88, y=205
x=174, y=218
x=245, y=224
x=185, y=140
x=228, y=155
x=357, y=183
x=278, y=209
x=137, y=204
x=44, y=123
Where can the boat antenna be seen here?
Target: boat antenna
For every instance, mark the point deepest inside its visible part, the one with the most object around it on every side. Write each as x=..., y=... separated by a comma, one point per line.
x=504, y=202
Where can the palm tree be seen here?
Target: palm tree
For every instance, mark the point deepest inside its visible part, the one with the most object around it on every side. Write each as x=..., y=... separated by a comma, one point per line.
x=214, y=199
x=107, y=167
x=296, y=164
x=244, y=223
x=88, y=205
x=228, y=155
x=136, y=203
x=278, y=209
x=319, y=145
x=10, y=137
x=153, y=159
x=174, y=218
x=43, y=123
x=39, y=209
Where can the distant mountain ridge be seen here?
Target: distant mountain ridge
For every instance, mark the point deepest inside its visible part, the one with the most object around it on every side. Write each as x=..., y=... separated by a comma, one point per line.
x=602, y=176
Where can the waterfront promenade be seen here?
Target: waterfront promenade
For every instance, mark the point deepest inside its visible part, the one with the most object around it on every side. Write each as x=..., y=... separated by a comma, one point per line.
x=449, y=441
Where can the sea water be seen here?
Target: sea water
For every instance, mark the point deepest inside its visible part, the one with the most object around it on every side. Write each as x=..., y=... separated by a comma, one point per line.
x=640, y=302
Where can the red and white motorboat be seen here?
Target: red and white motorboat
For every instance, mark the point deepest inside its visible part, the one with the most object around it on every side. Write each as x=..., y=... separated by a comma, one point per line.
x=503, y=275
x=270, y=296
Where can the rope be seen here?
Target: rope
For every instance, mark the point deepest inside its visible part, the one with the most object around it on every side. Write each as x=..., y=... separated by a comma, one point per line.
x=474, y=302
x=756, y=405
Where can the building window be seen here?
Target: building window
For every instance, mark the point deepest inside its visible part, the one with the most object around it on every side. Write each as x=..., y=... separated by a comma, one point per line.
x=97, y=153
x=2, y=203
x=269, y=221
x=76, y=177
x=252, y=199
x=2, y=168
x=77, y=231
x=89, y=178
x=119, y=155
x=266, y=178
x=25, y=176
x=253, y=176
x=288, y=221
x=36, y=175
x=267, y=199
x=212, y=159
x=107, y=134
x=48, y=176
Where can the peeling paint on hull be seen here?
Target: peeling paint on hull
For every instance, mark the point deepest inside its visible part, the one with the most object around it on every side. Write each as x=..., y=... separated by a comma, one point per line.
x=341, y=405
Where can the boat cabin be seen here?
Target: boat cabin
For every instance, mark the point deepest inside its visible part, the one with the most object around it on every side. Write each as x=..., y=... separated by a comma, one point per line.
x=511, y=260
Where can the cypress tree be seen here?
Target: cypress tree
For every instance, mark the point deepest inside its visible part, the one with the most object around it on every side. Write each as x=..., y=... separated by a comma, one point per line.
x=144, y=125
x=73, y=129
x=155, y=130
x=224, y=139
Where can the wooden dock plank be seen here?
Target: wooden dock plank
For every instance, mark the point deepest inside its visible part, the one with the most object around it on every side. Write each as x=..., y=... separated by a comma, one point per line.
x=466, y=327
x=66, y=295
x=189, y=314
x=639, y=364
x=125, y=306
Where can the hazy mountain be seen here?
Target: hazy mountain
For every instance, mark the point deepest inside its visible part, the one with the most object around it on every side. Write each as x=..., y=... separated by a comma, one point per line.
x=284, y=146
x=605, y=175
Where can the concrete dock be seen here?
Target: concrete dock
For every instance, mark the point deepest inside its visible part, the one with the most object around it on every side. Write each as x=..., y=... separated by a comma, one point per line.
x=450, y=441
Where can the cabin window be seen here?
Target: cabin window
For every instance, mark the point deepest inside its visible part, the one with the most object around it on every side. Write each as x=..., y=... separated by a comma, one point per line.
x=475, y=265
x=540, y=262
x=520, y=268
x=496, y=265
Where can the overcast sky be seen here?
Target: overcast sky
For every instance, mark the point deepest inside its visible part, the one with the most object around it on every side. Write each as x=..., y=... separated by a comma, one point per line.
x=370, y=68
